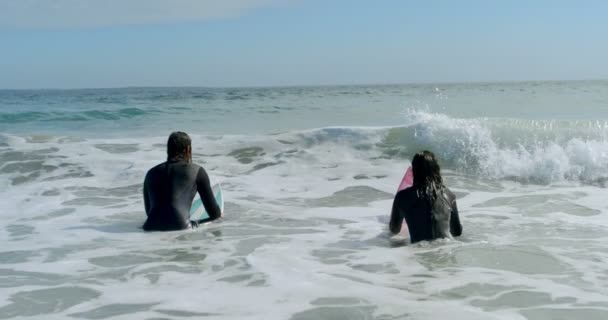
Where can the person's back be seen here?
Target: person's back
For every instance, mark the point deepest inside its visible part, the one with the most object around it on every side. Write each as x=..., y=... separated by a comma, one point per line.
x=428, y=207
x=170, y=187
x=411, y=205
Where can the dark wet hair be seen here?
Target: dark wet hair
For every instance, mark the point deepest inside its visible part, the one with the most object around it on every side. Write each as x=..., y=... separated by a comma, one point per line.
x=178, y=145
x=427, y=173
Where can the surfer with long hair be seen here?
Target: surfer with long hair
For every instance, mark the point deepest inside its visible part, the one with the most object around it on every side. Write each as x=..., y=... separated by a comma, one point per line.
x=170, y=187
x=428, y=206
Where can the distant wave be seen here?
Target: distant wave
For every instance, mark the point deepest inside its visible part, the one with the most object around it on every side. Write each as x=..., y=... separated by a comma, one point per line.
x=36, y=116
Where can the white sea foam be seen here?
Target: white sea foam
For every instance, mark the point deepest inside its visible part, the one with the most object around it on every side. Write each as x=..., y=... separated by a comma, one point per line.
x=305, y=234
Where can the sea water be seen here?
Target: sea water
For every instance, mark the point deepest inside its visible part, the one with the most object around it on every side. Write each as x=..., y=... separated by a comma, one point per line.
x=309, y=174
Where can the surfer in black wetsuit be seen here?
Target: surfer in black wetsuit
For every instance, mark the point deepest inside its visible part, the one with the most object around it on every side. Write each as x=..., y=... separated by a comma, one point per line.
x=170, y=187
x=428, y=207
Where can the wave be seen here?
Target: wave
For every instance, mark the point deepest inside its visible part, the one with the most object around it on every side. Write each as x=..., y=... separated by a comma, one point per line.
x=531, y=151
x=35, y=116
x=535, y=151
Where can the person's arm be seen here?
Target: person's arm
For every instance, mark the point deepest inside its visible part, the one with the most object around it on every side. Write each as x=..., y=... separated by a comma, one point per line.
x=455, y=226
x=146, y=196
x=396, y=218
x=207, y=196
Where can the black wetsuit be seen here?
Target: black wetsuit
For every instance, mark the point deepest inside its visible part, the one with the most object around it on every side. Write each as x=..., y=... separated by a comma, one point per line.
x=169, y=189
x=416, y=211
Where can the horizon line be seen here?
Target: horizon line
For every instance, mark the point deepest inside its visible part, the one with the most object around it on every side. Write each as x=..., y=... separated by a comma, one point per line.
x=303, y=85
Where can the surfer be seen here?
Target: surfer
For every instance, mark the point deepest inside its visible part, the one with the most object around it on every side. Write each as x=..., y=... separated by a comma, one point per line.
x=428, y=207
x=170, y=187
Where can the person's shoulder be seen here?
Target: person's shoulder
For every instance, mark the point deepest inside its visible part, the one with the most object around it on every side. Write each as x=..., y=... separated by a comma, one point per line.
x=155, y=171
x=187, y=165
x=156, y=168
x=197, y=169
x=195, y=166
x=407, y=192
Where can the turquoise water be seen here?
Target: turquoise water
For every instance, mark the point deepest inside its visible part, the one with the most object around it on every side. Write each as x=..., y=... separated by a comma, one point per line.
x=308, y=175
x=247, y=110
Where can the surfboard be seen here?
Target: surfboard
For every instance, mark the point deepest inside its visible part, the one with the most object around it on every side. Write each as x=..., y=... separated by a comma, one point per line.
x=408, y=179
x=198, y=212
x=406, y=182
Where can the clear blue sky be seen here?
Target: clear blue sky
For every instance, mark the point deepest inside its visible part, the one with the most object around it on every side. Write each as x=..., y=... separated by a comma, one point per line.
x=116, y=43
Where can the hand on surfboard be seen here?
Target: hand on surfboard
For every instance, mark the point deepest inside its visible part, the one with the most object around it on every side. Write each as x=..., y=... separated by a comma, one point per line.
x=198, y=212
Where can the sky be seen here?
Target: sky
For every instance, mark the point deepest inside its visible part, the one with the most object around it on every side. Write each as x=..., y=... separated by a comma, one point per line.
x=233, y=43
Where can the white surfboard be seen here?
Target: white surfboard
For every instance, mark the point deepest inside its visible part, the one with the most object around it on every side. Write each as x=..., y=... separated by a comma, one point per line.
x=198, y=212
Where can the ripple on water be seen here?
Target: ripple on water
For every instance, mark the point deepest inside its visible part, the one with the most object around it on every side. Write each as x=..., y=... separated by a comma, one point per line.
x=31, y=165
x=542, y=204
x=140, y=258
x=477, y=290
x=134, y=189
x=248, y=246
x=10, y=278
x=27, y=167
x=153, y=274
x=92, y=201
x=21, y=156
x=519, y=299
x=113, y=310
x=17, y=256
x=347, y=308
x=122, y=260
x=355, y=196
x=519, y=259
x=386, y=268
x=46, y=301
x=19, y=231
x=247, y=155
x=51, y=193
x=185, y=314
x=118, y=148
x=565, y=313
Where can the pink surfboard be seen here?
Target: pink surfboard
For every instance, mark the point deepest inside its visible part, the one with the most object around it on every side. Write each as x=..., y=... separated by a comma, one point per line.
x=406, y=182
x=408, y=179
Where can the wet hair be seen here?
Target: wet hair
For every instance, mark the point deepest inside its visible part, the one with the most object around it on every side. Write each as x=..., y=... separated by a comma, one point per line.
x=178, y=145
x=427, y=174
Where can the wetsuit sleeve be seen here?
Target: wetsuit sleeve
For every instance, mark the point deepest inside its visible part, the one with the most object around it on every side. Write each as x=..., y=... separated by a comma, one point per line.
x=396, y=217
x=455, y=226
x=204, y=189
x=146, y=195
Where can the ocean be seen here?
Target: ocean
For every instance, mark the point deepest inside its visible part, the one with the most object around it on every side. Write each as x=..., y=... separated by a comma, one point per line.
x=309, y=174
